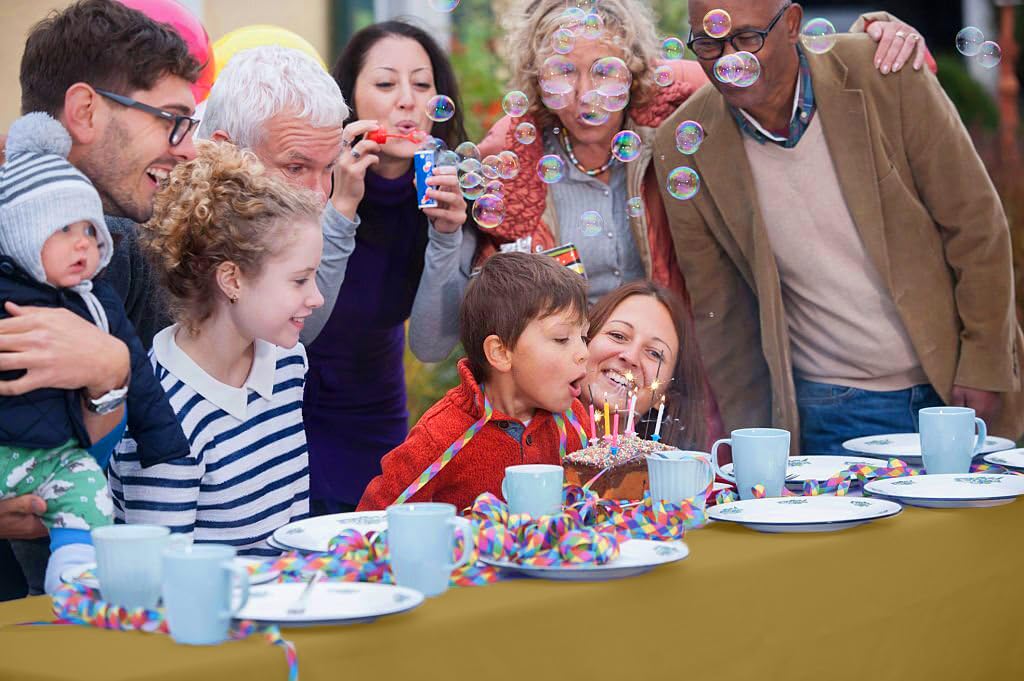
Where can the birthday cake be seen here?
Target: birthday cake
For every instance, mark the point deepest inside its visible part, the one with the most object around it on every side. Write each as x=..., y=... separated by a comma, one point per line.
x=626, y=474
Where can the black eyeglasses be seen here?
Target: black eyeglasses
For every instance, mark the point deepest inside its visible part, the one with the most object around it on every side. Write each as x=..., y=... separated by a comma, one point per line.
x=180, y=124
x=706, y=47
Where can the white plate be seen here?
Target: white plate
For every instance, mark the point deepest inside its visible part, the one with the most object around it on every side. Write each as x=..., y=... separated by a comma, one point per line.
x=636, y=557
x=1010, y=458
x=86, y=574
x=802, y=468
x=950, y=490
x=907, y=446
x=314, y=534
x=804, y=514
x=331, y=602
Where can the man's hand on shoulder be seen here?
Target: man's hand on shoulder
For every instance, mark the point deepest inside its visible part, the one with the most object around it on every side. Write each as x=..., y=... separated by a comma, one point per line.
x=985, y=404
x=59, y=349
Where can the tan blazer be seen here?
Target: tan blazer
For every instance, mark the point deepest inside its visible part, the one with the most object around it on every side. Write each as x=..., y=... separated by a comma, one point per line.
x=925, y=208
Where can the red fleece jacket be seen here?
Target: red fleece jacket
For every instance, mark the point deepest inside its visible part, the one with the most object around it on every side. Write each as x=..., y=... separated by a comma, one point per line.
x=480, y=466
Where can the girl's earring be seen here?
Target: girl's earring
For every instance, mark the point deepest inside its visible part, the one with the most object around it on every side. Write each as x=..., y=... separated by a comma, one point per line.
x=233, y=299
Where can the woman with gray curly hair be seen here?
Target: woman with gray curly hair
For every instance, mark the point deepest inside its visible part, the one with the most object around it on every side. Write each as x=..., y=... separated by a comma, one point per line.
x=609, y=209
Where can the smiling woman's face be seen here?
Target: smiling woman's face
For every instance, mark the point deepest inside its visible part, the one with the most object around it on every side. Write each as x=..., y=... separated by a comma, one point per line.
x=637, y=346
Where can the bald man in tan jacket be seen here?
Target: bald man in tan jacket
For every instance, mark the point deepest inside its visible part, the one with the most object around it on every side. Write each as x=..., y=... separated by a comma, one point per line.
x=847, y=255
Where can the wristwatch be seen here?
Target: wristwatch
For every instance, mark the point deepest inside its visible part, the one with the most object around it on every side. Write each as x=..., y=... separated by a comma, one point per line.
x=107, y=402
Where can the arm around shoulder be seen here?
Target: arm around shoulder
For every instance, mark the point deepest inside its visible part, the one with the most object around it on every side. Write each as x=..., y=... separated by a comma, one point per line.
x=434, y=323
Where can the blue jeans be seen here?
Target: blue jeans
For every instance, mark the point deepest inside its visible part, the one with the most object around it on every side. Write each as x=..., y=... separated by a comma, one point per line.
x=831, y=414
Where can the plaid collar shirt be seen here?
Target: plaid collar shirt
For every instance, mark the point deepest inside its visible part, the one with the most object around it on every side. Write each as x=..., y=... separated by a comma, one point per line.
x=803, y=112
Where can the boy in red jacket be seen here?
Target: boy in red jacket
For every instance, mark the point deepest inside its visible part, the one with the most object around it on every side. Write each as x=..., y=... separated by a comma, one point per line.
x=523, y=324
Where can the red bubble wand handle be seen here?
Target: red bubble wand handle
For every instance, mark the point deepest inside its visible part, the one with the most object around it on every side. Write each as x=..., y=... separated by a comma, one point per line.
x=380, y=136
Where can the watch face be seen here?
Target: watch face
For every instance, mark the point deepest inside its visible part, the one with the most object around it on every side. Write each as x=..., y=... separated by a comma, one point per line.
x=104, y=404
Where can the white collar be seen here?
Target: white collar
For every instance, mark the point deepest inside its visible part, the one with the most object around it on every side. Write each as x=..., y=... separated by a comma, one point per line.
x=234, y=401
x=796, y=105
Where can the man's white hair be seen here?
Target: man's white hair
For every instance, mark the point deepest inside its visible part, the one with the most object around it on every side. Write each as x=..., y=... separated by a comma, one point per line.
x=263, y=82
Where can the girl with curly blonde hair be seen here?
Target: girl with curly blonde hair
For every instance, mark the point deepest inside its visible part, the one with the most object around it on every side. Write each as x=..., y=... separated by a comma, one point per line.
x=237, y=250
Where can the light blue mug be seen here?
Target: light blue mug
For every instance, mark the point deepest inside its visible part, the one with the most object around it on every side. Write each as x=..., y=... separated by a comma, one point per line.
x=198, y=584
x=676, y=475
x=759, y=457
x=421, y=541
x=128, y=562
x=948, y=441
x=535, y=489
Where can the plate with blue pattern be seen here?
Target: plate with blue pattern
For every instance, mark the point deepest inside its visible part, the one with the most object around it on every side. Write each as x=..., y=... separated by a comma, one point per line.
x=314, y=534
x=950, y=490
x=907, y=446
x=331, y=602
x=1010, y=458
x=804, y=514
x=636, y=557
x=800, y=469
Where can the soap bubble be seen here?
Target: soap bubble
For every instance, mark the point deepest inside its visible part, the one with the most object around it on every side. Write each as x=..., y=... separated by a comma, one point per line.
x=515, y=103
x=526, y=133
x=689, y=136
x=593, y=26
x=440, y=108
x=468, y=150
x=475, y=192
x=591, y=223
x=557, y=79
x=969, y=41
x=444, y=5
x=990, y=54
x=635, y=207
x=585, y=5
x=592, y=110
x=550, y=169
x=491, y=167
x=495, y=187
x=470, y=179
x=683, y=183
x=432, y=144
x=508, y=166
x=556, y=101
x=717, y=23
x=446, y=159
x=626, y=146
x=563, y=40
x=664, y=75
x=750, y=70
x=469, y=165
x=672, y=48
x=728, y=68
x=818, y=36
x=489, y=211
x=573, y=18
x=612, y=78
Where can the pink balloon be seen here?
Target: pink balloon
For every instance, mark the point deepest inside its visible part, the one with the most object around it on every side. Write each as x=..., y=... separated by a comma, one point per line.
x=188, y=26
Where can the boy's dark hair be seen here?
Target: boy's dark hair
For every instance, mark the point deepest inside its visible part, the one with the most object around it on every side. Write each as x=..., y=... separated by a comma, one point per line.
x=102, y=43
x=512, y=290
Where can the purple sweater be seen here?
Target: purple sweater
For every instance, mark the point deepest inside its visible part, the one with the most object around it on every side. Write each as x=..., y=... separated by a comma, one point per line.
x=355, y=401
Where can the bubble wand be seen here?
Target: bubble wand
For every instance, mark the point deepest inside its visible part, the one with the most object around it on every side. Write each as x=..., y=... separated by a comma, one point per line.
x=380, y=136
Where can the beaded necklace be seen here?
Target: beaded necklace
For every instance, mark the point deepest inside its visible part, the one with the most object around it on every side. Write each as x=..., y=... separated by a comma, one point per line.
x=567, y=145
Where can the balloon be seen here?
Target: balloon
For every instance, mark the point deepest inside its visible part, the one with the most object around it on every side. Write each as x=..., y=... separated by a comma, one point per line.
x=260, y=35
x=188, y=26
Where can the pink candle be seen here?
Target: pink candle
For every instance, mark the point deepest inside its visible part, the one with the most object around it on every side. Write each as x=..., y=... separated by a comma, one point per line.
x=629, y=421
x=615, y=429
x=593, y=424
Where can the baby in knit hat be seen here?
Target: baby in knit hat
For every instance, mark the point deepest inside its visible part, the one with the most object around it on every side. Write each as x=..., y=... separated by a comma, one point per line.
x=53, y=242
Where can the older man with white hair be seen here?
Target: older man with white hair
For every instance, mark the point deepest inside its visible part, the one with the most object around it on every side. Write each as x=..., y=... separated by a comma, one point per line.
x=281, y=104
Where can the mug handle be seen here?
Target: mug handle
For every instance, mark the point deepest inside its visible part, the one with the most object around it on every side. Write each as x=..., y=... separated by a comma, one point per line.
x=240, y=576
x=714, y=459
x=711, y=474
x=504, y=489
x=466, y=527
x=982, y=435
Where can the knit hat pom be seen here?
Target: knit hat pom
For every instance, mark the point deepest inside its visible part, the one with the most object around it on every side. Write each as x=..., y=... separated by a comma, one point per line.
x=38, y=133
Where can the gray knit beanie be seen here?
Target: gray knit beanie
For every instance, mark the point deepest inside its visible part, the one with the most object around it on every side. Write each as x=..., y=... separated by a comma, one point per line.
x=41, y=193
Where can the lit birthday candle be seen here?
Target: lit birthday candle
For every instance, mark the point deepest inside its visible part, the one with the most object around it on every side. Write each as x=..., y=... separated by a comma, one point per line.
x=657, y=426
x=607, y=420
x=615, y=430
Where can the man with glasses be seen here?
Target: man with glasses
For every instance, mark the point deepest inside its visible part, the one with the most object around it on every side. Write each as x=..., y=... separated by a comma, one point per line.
x=119, y=83
x=840, y=279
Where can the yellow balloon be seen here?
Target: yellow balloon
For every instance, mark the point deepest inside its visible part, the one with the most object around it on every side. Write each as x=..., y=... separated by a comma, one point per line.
x=259, y=35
